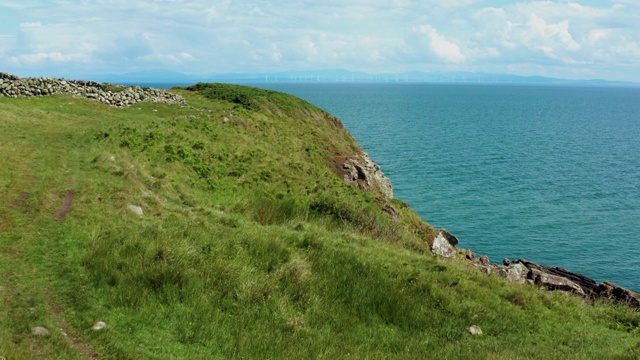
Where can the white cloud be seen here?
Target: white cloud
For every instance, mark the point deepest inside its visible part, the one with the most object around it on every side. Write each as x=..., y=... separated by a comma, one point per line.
x=444, y=49
x=202, y=36
x=30, y=25
x=39, y=59
x=597, y=35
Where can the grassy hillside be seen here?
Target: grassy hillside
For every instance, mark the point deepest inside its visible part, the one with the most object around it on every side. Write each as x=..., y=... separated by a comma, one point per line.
x=250, y=245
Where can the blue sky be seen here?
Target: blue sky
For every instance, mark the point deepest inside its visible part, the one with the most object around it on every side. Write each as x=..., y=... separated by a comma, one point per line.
x=582, y=39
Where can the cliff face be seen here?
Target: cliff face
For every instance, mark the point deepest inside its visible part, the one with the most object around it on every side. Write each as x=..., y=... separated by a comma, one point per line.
x=366, y=174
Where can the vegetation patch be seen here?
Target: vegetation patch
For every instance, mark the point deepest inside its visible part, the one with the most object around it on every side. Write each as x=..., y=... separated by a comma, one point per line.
x=249, y=245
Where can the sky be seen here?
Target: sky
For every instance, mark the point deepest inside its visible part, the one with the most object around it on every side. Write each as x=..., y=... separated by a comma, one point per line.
x=582, y=39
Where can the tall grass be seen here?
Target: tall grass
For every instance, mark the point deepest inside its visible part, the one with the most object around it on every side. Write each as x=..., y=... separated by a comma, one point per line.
x=249, y=246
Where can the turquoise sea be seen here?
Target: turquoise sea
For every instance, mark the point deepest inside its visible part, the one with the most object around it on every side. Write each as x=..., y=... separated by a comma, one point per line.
x=549, y=174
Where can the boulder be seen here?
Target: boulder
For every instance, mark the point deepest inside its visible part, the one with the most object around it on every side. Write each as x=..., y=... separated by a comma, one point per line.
x=474, y=330
x=362, y=171
x=515, y=272
x=442, y=247
x=468, y=254
x=450, y=238
x=136, y=210
x=40, y=331
x=484, y=260
x=554, y=282
x=587, y=284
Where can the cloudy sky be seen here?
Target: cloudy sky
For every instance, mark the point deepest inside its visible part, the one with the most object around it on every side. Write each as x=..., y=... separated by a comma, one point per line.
x=581, y=39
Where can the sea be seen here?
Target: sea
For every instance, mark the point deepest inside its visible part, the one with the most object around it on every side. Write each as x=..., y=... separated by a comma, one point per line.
x=550, y=174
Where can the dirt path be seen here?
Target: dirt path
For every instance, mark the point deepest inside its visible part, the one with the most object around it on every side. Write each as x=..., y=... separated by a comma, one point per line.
x=77, y=344
x=65, y=206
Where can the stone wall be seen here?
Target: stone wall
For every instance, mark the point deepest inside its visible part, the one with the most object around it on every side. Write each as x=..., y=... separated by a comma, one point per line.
x=114, y=95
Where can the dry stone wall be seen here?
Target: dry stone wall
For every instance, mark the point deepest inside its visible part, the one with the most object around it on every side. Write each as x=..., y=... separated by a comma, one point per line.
x=114, y=95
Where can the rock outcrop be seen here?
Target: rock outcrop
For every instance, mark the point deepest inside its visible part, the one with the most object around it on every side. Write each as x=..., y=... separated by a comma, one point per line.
x=114, y=95
x=365, y=173
x=524, y=271
x=442, y=246
x=553, y=278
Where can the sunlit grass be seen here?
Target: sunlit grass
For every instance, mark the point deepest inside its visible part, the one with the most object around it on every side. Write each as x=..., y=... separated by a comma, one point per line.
x=249, y=246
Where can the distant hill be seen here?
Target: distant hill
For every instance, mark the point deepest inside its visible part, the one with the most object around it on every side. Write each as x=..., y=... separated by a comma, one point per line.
x=345, y=76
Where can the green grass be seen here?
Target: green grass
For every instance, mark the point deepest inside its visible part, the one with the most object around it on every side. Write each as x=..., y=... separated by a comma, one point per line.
x=250, y=245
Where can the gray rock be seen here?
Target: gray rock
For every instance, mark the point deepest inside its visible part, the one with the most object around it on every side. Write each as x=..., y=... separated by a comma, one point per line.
x=40, y=331
x=442, y=247
x=484, y=260
x=99, y=325
x=363, y=172
x=468, y=254
x=515, y=272
x=136, y=210
x=450, y=238
x=554, y=282
x=475, y=330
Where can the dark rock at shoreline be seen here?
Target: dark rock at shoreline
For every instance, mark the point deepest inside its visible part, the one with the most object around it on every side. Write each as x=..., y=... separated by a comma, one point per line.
x=551, y=278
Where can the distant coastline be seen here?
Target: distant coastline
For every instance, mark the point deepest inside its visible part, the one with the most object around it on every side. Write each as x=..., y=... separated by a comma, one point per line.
x=348, y=77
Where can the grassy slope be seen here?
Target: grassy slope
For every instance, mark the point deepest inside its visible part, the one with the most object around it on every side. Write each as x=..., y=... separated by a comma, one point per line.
x=249, y=246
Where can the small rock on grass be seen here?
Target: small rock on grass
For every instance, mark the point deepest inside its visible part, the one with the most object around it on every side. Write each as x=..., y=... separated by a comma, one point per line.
x=99, y=325
x=136, y=210
x=39, y=330
x=475, y=330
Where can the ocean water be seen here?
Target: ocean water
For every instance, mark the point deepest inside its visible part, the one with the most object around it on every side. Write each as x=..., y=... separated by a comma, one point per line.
x=548, y=174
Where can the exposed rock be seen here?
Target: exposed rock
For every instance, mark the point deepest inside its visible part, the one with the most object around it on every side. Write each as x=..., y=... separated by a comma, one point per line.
x=516, y=272
x=99, y=325
x=40, y=331
x=365, y=173
x=484, y=260
x=450, y=238
x=136, y=210
x=587, y=285
x=5, y=76
x=481, y=262
x=619, y=294
x=391, y=212
x=554, y=282
x=524, y=271
x=442, y=247
x=559, y=279
x=475, y=330
x=468, y=254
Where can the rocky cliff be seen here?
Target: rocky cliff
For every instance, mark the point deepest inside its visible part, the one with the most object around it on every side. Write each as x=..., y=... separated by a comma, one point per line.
x=524, y=271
